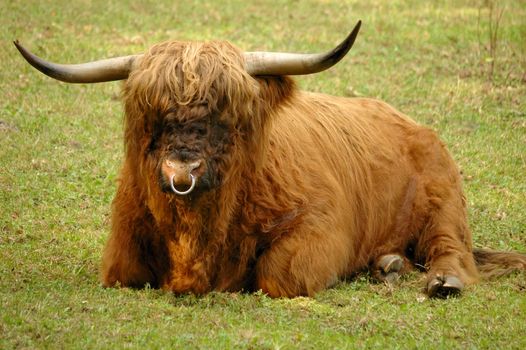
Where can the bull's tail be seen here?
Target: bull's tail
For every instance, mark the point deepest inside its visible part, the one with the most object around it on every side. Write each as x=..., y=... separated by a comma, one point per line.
x=491, y=263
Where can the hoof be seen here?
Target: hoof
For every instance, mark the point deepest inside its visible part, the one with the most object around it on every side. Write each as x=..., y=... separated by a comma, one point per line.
x=444, y=286
x=391, y=263
x=388, y=267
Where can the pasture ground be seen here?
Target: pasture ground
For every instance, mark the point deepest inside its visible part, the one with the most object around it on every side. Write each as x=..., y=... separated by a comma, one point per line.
x=61, y=146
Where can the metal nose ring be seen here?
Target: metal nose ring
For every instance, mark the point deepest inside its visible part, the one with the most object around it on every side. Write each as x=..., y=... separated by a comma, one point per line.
x=182, y=193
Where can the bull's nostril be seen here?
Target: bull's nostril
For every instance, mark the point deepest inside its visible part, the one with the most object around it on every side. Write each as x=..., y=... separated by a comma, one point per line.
x=182, y=193
x=194, y=165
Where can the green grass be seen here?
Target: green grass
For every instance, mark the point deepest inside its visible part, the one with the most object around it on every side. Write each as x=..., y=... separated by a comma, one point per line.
x=61, y=147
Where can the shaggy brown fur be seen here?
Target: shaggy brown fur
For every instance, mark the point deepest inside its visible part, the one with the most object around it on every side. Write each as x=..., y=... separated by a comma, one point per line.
x=296, y=190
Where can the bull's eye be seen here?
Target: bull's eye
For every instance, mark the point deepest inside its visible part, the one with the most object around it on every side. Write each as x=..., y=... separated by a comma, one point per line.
x=199, y=130
x=155, y=137
x=178, y=127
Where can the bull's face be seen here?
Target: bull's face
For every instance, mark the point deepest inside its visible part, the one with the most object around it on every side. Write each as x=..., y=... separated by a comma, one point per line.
x=188, y=148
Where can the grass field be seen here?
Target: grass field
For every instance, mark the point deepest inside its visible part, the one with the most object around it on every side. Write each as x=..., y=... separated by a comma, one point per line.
x=61, y=147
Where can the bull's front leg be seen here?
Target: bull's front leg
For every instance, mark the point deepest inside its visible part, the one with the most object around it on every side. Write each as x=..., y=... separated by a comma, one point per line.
x=135, y=254
x=190, y=266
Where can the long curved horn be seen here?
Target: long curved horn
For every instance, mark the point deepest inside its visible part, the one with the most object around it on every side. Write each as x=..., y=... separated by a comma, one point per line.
x=278, y=63
x=117, y=68
x=257, y=63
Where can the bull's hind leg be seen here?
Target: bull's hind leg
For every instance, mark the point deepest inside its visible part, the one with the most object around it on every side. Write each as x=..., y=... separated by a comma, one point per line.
x=303, y=263
x=439, y=218
x=445, y=248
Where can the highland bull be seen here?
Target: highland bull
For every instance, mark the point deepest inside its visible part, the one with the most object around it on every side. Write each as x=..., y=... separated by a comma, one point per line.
x=233, y=179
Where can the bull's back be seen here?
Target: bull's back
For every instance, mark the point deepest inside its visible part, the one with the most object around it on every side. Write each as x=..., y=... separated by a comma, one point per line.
x=357, y=142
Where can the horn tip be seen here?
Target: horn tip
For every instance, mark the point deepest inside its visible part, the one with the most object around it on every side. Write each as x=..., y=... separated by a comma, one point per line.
x=357, y=26
x=20, y=48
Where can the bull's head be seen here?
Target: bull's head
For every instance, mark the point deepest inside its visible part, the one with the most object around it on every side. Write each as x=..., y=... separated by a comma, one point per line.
x=184, y=138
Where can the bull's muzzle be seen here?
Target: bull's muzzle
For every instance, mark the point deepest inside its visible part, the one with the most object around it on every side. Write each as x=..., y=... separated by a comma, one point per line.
x=182, y=176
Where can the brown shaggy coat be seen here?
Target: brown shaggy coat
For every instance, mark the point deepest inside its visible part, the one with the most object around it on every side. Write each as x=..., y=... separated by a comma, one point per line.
x=299, y=189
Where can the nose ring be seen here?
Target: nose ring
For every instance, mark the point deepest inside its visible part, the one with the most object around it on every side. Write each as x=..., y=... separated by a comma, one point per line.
x=182, y=193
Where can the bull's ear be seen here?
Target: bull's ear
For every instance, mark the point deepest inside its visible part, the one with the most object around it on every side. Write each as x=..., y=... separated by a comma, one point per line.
x=275, y=90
